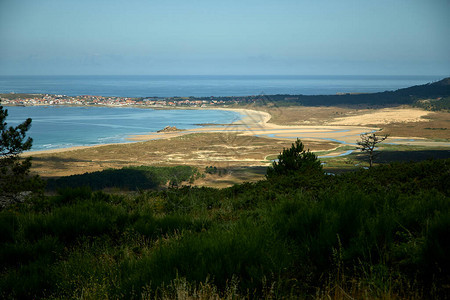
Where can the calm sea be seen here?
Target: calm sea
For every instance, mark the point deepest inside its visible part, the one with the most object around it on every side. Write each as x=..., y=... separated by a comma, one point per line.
x=61, y=126
x=166, y=86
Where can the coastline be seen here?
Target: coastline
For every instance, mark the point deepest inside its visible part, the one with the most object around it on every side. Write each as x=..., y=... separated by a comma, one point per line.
x=345, y=131
x=252, y=123
x=251, y=117
x=256, y=123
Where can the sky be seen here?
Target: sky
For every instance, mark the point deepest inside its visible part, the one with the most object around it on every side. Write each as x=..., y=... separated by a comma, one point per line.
x=234, y=37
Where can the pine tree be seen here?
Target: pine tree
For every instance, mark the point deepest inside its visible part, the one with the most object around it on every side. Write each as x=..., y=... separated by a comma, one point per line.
x=294, y=161
x=368, y=144
x=15, y=180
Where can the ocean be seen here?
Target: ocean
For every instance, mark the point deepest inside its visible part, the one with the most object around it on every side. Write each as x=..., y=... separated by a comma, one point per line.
x=204, y=86
x=56, y=127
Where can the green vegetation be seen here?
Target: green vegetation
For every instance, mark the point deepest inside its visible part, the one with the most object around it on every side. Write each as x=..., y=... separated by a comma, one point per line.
x=15, y=182
x=13, y=96
x=130, y=178
x=386, y=153
x=408, y=95
x=434, y=104
x=377, y=233
x=211, y=170
x=214, y=170
x=295, y=161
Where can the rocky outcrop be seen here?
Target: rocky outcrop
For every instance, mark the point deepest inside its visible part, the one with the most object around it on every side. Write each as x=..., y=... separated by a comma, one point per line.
x=169, y=129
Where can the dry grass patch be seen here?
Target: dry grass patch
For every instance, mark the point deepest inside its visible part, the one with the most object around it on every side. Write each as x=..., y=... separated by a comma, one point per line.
x=436, y=127
x=222, y=150
x=303, y=115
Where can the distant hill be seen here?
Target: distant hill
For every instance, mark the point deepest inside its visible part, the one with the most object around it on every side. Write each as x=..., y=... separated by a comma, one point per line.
x=401, y=96
x=12, y=96
x=436, y=89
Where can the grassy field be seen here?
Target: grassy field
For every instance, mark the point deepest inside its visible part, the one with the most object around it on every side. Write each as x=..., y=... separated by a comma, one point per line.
x=300, y=115
x=223, y=150
x=437, y=127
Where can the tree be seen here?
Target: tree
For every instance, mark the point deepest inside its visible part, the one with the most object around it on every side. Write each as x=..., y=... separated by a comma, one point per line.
x=368, y=144
x=293, y=161
x=14, y=171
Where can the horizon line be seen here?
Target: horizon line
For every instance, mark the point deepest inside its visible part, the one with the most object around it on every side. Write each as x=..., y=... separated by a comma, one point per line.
x=245, y=75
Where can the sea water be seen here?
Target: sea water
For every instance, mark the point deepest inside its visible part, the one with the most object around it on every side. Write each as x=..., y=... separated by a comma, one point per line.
x=63, y=126
x=205, y=86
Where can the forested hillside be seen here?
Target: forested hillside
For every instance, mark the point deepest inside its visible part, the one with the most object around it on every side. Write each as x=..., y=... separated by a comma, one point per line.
x=402, y=96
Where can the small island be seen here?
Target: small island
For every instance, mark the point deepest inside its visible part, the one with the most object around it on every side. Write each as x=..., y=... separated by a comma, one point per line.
x=169, y=129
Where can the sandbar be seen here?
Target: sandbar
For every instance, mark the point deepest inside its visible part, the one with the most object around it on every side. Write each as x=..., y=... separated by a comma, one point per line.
x=256, y=123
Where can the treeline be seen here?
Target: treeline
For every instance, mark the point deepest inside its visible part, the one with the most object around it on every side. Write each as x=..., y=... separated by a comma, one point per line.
x=13, y=96
x=377, y=233
x=129, y=178
x=434, y=104
x=401, y=96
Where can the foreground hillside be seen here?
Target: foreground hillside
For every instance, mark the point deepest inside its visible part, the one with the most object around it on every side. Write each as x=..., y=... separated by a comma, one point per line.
x=378, y=233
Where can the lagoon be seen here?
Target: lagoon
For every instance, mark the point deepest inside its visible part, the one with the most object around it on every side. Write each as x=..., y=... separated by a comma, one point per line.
x=56, y=127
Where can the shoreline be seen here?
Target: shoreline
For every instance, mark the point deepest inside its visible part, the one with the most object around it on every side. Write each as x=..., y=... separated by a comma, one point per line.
x=344, y=131
x=247, y=117
x=256, y=123
x=251, y=123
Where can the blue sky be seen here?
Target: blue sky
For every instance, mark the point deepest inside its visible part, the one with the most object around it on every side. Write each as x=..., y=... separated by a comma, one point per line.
x=348, y=37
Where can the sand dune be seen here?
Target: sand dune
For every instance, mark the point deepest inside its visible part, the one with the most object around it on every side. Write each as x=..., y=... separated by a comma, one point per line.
x=384, y=116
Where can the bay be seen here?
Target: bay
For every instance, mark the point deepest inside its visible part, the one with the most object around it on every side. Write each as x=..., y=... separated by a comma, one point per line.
x=62, y=126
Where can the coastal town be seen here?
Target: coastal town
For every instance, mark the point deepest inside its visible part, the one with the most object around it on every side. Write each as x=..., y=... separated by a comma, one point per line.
x=49, y=99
